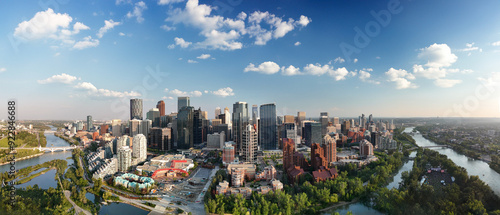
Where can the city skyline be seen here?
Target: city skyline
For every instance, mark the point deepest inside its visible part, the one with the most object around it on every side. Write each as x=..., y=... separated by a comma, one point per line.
x=91, y=58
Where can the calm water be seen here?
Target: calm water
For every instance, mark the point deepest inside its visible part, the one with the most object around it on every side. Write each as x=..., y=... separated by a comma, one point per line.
x=406, y=167
x=473, y=167
x=44, y=181
x=120, y=209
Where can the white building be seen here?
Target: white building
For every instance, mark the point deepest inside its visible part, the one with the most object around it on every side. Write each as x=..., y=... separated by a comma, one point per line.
x=249, y=144
x=145, y=127
x=123, y=141
x=107, y=168
x=124, y=158
x=216, y=140
x=139, y=147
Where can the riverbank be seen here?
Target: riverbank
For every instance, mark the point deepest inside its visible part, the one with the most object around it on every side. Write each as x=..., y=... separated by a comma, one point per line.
x=70, y=141
x=24, y=158
x=338, y=204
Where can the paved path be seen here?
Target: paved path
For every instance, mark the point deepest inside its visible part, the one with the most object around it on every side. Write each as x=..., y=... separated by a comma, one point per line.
x=78, y=209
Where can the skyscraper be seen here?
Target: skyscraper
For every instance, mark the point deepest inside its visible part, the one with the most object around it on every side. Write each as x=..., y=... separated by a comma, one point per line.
x=90, y=123
x=146, y=126
x=136, y=109
x=324, y=120
x=249, y=144
x=154, y=116
x=217, y=112
x=134, y=127
x=161, y=107
x=185, y=128
x=198, y=127
x=255, y=115
x=240, y=121
x=312, y=133
x=116, y=126
x=182, y=102
x=139, y=147
x=268, y=128
x=161, y=139
x=301, y=116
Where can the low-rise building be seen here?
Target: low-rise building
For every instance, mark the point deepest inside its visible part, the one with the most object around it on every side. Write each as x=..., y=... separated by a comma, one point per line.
x=268, y=173
x=249, y=169
x=107, y=168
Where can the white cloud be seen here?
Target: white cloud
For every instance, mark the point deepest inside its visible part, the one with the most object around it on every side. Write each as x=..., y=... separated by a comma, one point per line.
x=57, y=54
x=339, y=60
x=267, y=67
x=137, y=12
x=121, y=34
x=446, y=83
x=192, y=61
x=224, y=92
x=108, y=24
x=401, y=77
x=365, y=76
x=290, y=71
x=339, y=73
x=355, y=60
x=497, y=43
x=95, y=92
x=167, y=97
x=165, y=2
x=224, y=33
x=469, y=48
x=165, y=90
x=438, y=55
x=3, y=70
x=167, y=28
x=87, y=42
x=304, y=21
x=204, y=56
x=45, y=24
x=178, y=93
x=62, y=78
x=317, y=69
x=181, y=42
x=297, y=43
x=378, y=57
x=205, y=91
x=78, y=26
x=492, y=81
x=172, y=46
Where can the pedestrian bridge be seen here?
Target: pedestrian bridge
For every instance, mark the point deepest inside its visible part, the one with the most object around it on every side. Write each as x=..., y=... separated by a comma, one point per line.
x=428, y=147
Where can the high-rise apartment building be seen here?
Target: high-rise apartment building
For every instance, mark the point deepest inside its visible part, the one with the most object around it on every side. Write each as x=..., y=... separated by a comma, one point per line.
x=135, y=127
x=90, y=123
x=136, y=109
x=140, y=148
x=249, y=144
x=268, y=129
x=124, y=158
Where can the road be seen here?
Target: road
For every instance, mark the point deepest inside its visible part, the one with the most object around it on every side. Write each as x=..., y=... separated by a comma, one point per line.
x=78, y=209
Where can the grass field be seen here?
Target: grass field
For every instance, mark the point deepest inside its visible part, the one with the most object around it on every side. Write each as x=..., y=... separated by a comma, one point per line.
x=5, y=142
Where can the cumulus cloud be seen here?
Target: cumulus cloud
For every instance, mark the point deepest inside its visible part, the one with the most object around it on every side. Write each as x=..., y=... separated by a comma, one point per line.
x=3, y=70
x=167, y=97
x=364, y=75
x=165, y=2
x=497, y=43
x=297, y=43
x=224, y=33
x=446, y=83
x=355, y=60
x=45, y=24
x=267, y=67
x=181, y=42
x=224, y=92
x=87, y=42
x=192, y=61
x=62, y=78
x=137, y=12
x=178, y=93
x=401, y=77
x=316, y=69
x=339, y=60
x=438, y=55
x=108, y=24
x=290, y=71
x=204, y=56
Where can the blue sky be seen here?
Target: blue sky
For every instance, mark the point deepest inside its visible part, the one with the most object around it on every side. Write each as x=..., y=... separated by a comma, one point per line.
x=69, y=59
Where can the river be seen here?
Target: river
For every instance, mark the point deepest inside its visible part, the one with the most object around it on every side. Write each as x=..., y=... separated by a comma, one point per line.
x=47, y=180
x=473, y=167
